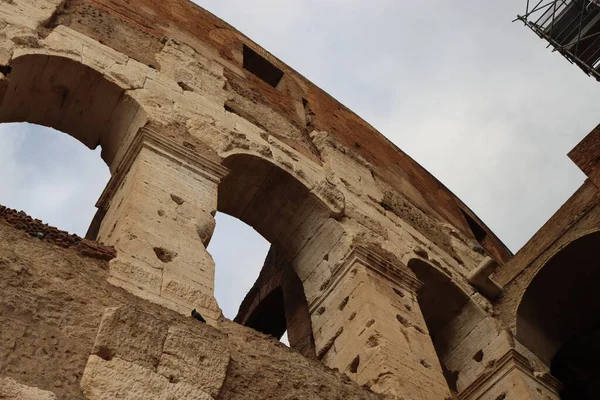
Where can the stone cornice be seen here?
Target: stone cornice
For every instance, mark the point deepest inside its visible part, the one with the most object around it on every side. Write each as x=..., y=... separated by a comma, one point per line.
x=508, y=362
x=154, y=141
x=361, y=256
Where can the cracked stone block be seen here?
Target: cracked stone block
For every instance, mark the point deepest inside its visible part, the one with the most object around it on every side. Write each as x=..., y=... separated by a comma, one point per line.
x=130, y=335
x=119, y=379
x=190, y=357
x=13, y=390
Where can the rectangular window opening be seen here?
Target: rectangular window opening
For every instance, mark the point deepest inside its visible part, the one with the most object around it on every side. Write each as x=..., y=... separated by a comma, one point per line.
x=261, y=67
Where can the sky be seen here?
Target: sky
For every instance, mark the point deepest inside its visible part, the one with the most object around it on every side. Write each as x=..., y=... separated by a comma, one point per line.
x=477, y=100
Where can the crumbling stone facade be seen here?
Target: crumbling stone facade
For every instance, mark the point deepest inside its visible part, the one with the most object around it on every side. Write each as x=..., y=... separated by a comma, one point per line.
x=376, y=269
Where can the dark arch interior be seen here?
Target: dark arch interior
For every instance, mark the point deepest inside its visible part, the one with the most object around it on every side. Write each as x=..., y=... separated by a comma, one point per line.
x=559, y=317
x=440, y=301
x=269, y=316
x=277, y=303
x=271, y=201
x=576, y=366
x=285, y=212
x=439, y=298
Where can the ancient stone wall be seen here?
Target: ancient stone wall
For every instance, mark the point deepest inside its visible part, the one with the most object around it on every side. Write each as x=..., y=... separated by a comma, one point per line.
x=66, y=333
x=397, y=284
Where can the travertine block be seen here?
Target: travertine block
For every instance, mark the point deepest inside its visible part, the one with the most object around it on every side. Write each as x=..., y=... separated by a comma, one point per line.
x=154, y=217
x=120, y=379
x=13, y=390
x=131, y=335
x=194, y=359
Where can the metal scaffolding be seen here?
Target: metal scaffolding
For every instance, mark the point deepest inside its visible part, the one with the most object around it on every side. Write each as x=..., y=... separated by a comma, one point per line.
x=572, y=27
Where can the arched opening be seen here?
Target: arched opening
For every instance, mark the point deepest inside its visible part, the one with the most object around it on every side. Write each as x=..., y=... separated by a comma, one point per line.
x=239, y=254
x=276, y=305
x=269, y=315
x=50, y=175
x=67, y=96
x=442, y=303
x=558, y=318
x=285, y=212
x=70, y=97
x=272, y=202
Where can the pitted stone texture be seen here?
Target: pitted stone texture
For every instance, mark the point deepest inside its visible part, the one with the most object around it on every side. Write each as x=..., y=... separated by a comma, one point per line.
x=105, y=71
x=131, y=335
x=178, y=354
x=194, y=358
x=119, y=379
x=53, y=301
x=13, y=390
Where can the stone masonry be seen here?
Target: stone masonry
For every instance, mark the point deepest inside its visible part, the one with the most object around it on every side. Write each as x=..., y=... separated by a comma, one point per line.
x=389, y=286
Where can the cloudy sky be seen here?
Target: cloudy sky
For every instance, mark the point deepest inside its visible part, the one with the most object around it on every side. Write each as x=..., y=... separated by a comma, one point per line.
x=477, y=100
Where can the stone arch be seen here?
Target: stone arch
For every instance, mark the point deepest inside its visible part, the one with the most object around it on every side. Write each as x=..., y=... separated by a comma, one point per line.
x=292, y=217
x=276, y=304
x=446, y=309
x=73, y=98
x=280, y=207
x=560, y=311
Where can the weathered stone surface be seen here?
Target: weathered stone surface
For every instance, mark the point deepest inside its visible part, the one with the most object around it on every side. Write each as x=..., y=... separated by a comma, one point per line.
x=193, y=358
x=189, y=126
x=131, y=335
x=119, y=379
x=13, y=390
x=57, y=308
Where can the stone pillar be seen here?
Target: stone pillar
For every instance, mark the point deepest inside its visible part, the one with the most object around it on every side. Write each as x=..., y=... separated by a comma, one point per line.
x=158, y=212
x=511, y=377
x=368, y=325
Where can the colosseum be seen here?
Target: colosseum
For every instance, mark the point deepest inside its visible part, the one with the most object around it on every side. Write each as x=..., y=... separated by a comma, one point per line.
x=388, y=285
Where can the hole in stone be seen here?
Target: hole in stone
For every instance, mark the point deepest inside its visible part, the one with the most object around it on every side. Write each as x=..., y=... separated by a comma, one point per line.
x=261, y=67
x=421, y=252
x=398, y=292
x=502, y=396
x=352, y=316
x=229, y=108
x=105, y=353
x=344, y=303
x=177, y=199
x=326, y=257
x=478, y=356
x=425, y=364
x=161, y=213
x=5, y=69
x=373, y=341
x=325, y=285
x=369, y=323
x=403, y=321
x=321, y=310
x=164, y=255
x=353, y=367
x=185, y=86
